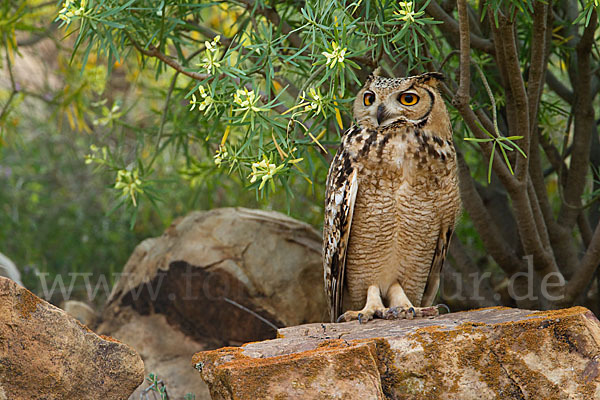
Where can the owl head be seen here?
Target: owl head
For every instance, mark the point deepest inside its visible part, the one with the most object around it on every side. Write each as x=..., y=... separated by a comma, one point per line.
x=383, y=101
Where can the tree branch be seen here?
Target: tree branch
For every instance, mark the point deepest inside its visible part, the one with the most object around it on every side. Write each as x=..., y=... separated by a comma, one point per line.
x=13, y=86
x=450, y=26
x=559, y=88
x=538, y=63
x=38, y=37
x=585, y=229
x=521, y=127
x=461, y=99
x=538, y=216
x=472, y=292
x=589, y=264
x=487, y=229
x=152, y=51
x=584, y=126
x=561, y=241
x=473, y=123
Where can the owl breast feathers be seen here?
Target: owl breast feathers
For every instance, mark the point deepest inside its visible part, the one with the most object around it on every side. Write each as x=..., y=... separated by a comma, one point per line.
x=391, y=202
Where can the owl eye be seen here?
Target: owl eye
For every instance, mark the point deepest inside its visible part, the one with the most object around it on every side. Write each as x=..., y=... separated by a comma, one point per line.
x=408, y=99
x=368, y=98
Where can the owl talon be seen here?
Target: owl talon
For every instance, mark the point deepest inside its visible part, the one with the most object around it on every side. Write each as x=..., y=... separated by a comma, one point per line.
x=443, y=306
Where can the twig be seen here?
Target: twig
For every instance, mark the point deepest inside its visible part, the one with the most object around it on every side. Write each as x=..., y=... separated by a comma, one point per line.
x=249, y=311
x=559, y=88
x=447, y=58
x=37, y=37
x=163, y=119
x=462, y=95
x=13, y=86
x=154, y=52
x=491, y=97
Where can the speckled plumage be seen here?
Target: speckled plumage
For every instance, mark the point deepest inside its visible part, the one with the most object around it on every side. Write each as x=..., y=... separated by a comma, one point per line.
x=392, y=201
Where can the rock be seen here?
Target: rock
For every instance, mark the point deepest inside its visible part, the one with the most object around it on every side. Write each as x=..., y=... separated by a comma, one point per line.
x=46, y=354
x=226, y=276
x=81, y=311
x=222, y=277
x=9, y=270
x=166, y=351
x=489, y=353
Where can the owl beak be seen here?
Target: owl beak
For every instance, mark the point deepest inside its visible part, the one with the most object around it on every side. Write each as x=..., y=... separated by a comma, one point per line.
x=382, y=114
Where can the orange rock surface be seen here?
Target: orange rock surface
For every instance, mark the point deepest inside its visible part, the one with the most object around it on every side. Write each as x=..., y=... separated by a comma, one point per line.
x=490, y=353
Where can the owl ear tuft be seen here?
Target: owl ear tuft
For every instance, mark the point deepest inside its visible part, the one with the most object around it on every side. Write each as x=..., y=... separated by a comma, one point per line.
x=376, y=72
x=431, y=78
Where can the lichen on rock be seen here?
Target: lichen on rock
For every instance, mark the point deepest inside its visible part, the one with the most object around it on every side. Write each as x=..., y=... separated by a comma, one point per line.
x=488, y=353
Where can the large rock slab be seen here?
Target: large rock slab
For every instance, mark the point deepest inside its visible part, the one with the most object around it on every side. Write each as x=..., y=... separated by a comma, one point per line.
x=221, y=277
x=489, y=353
x=46, y=354
x=227, y=276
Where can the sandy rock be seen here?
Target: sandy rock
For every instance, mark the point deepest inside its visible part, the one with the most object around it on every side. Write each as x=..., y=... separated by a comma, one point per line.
x=213, y=279
x=46, y=354
x=225, y=274
x=166, y=351
x=8, y=269
x=490, y=353
x=81, y=311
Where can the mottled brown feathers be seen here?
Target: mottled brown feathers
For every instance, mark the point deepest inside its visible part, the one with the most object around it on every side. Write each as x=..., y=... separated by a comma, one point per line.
x=392, y=196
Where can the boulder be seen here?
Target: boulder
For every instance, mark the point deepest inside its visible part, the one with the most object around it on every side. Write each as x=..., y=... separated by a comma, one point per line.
x=166, y=352
x=228, y=276
x=46, y=354
x=221, y=277
x=489, y=353
x=81, y=311
x=8, y=269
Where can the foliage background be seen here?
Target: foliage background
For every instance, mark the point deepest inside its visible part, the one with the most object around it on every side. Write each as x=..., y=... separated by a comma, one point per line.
x=99, y=148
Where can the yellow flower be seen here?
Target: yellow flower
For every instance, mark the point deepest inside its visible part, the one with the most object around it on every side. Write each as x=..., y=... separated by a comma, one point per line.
x=407, y=11
x=130, y=183
x=205, y=104
x=210, y=61
x=69, y=10
x=336, y=55
x=247, y=100
x=95, y=157
x=220, y=155
x=109, y=116
x=315, y=102
x=212, y=46
x=263, y=170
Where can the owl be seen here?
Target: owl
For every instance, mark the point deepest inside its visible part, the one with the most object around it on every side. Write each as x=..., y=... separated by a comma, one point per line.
x=391, y=203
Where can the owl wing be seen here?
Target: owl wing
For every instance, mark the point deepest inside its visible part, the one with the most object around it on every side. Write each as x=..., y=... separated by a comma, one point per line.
x=433, y=280
x=342, y=186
